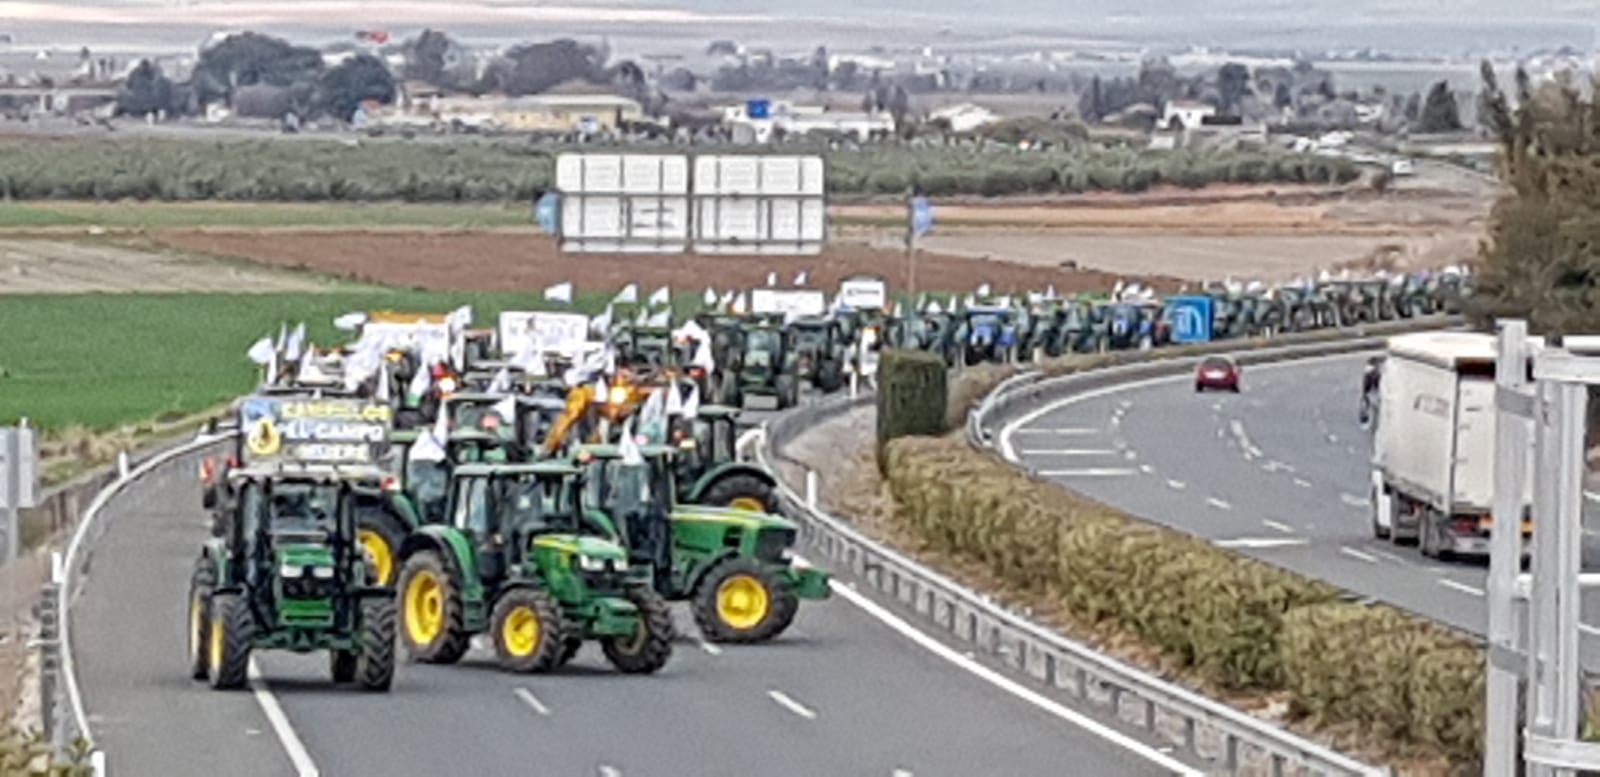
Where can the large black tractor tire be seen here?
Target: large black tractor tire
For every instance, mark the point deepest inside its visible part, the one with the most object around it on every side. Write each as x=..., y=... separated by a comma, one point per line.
x=431, y=610
x=741, y=490
x=380, y=535
x=646, y=650
x=200, y=584
x=728, y=392
x=342, y=665
x=232, y=633
x=375, y=659
x=830, y=376
x=526, y=627
x=788, y=391
x=740, y=601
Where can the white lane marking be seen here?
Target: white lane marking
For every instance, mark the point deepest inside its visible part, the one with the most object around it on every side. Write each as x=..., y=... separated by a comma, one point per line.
x=1130, y=454
x=1092, y=472
x=1591, y=496
x=607, y=770
x=709, y=648
x=900, y=773
x=1261, y=543
x=1302, y=482
x=1176, y=485
x=1462, y=587
x=1590, y=630
x=1068, y=452
x=1333, y=438
x=1147, y=469
x=1125, y=404
x=303, y=765
x=788, y=703
x=1277, y=466
x=1356, y=554
x=1395, y=557
x=1010, y=686
x=1065, y=430
x=1354, y=501
x=1275, y=526
x=1218, y=503
x=532, y=701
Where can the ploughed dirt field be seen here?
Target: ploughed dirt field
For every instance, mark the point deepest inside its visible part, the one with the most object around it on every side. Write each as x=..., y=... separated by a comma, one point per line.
x=60, y=266
x=504, y=261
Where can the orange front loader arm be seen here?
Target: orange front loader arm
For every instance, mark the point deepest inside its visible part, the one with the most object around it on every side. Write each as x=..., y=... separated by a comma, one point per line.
x=578, y=401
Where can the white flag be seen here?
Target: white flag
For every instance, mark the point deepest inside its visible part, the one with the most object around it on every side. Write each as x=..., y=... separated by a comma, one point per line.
x=628, y=295
x=561, y=292
x=507, y=409
x=461, y=317
x=427, y=448
x=703, y=358
x=419, y=384
x=600, y=391
x=601, y=324
x=283, y=337
x=660, y=296
x=296, y=342
x=710, y=298
x=653, y=417
x=261, y=351
x=1050, y=291
x=933, y=307
x=500, y=382
x=772, y=279
x=350, y=322
x=631, y=455
x=674, y=400
x=691, y=406
x=441, y=423
x=899, y=310
x=383, y=394
x=800, y=280
x=983, y=290
x=740, y=305
x=662, y=319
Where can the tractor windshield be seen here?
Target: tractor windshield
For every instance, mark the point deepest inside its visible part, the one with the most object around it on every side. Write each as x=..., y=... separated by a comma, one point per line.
x=528, y=504
x=302, y=507
x=760, y=347
x=429, y=484
x=623, y=489
x=810, y=338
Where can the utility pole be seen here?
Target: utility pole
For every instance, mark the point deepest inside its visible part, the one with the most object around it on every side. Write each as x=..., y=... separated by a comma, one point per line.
x=911, y=243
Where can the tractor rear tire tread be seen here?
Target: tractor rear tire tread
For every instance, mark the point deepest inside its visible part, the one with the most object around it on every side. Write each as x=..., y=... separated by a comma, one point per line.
x=724, y=490
x=376, y=659
x=455, y=641
x=342, y=665
x=547, y=653
x=201, y=582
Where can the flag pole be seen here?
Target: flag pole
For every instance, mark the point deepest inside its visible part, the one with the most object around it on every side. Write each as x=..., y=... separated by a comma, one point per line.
x=911, y=242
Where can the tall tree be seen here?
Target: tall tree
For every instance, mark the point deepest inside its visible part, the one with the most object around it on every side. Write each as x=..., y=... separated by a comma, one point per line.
x=1542, y=257
x=1439, y=110
x=535, y=67
x=146, y=90
x=352, y=82
x=1233, y=83
x=249, y=58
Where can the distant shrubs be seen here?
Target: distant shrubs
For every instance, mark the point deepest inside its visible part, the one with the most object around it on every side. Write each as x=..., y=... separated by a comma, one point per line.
x=312, y=170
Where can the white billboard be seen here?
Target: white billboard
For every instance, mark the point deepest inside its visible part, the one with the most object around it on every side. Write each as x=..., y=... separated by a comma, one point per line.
x=525, y=331
x=864, y=293
x=623, y=202
x=759, y=204
x=795, y=302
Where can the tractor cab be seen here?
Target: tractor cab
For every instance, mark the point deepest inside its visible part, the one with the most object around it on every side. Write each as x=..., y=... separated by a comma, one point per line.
x=765, y=366
x=646, y=347
x=706, y=464
x=505, y=508
x=536, y=417
x=988, y=333
x=288, y=573
x=818, y=346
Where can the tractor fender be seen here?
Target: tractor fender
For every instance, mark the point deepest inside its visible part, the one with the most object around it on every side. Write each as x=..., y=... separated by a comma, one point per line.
x=455, y=548
x=725, y=469
x=697, y=575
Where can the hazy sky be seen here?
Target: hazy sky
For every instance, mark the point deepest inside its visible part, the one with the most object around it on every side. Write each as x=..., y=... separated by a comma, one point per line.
x=1446, y=26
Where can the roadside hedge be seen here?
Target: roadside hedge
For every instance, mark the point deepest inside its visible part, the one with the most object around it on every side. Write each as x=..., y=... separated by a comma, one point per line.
x=1229, y=619
x=470, y=170
x=911, y=396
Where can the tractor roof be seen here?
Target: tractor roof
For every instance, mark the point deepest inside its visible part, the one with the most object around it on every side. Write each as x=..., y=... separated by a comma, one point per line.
x=475, y=397
x=308, y=473
x=719, y=411
x=611, y=451
x=547, y=468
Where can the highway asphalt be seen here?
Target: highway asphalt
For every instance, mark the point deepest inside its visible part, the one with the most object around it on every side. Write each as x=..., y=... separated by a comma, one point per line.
x=841, y=694
x=1280, y=471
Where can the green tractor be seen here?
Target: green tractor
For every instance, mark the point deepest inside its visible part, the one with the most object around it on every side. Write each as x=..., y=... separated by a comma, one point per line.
x=287, y=573
x=764, y=365
x=820, y=351
x=734, y=567
x=523, y=561
x=707, y=467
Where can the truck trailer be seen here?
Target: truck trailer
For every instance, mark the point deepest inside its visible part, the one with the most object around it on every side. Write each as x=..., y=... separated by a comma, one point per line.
x=1434, y=445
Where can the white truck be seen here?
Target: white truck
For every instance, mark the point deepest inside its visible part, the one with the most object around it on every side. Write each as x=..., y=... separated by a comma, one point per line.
x=1433, y=448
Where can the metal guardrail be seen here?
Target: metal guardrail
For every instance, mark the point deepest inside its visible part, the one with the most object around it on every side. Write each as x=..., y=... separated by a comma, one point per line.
x=1232, y=741
x=75, y=563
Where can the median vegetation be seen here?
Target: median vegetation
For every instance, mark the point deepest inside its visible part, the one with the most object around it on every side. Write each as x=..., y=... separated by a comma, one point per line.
x=314, y=170
x=1389, y=684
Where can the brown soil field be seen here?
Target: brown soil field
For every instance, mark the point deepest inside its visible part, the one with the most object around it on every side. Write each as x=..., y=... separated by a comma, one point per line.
x=62, y=266
x=511, y=262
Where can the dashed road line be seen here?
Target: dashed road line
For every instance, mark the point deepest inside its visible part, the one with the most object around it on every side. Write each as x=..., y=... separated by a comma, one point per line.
x=1091, y=472
x=1461, y=587
x=532, y=701
x=1218, y=503
x=1068, y=452
x=1355, y=501
x=788, y=703
x=1176, y=485
x=1356, y=554
x=1147, y=469
x=1395, y=557
x=709, y=648
x=1262, y=543
x=607, y=770
x=1302, y=482
x=1276, y=526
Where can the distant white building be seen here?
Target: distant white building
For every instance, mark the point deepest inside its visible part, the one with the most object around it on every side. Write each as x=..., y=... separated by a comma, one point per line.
x=1187, y=113
x=965, y=117
x=801, y=119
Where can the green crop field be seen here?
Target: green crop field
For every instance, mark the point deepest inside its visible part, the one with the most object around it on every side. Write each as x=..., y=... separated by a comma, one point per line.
x=135, y=214
x=103, y=360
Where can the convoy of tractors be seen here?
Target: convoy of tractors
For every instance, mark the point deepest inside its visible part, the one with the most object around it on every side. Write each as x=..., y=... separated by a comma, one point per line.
x=559, y=480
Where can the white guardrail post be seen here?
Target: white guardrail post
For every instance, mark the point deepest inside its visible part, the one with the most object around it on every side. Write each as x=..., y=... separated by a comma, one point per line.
x=73, y=562
x=1514, y=408
x=1232, y=741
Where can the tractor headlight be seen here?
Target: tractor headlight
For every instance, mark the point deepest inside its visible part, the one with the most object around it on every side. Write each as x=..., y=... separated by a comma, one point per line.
x=322, y=573
x=620, y=565
x=289, y=571
x=618, y=395
x=591, y=563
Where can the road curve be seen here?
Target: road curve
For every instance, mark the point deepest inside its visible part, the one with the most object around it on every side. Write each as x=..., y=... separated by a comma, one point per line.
x=1280, y=471
x=841, y=694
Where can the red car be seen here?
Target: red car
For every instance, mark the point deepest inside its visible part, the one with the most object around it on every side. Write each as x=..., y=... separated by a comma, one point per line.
x=1217, y=372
